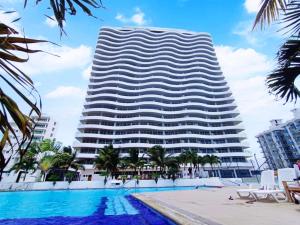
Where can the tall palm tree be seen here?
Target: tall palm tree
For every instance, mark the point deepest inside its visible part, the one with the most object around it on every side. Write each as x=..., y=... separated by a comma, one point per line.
x=159, y=157
x=134, y=161
x=192, y=158
x=202, y=161
x=281, y=81
x=27, y=164
x=184, y=159
x=108, y=159
x=212, y=160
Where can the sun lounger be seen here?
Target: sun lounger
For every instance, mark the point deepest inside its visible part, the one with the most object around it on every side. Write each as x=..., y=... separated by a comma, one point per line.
x=279, y=195
x=267, y=181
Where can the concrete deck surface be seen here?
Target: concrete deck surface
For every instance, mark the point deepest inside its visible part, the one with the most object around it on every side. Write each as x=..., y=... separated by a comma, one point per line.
x=212, y=207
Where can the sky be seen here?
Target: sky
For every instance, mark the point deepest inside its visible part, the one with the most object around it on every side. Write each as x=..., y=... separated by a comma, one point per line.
x=245, y=56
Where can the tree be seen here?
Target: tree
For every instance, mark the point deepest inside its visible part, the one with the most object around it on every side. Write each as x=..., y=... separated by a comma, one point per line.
x=15, y=48
x=281, y=81
x=192, y=158
x=202, y=161
x=50, y=146
x=108, y=159
x=183, y=158
x=45, y=165
x=159, y=157
x=134, y=161
x=27, y=164
x=212, y=160
x=173, y=167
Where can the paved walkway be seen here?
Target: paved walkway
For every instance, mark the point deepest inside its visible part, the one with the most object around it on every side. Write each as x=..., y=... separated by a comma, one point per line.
x=212, y=207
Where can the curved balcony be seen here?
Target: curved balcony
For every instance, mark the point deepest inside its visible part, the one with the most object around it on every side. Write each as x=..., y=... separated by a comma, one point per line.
x=165, y=52
x=236, y=119
x=149, y=39
x=164, y=128
x=151, y=35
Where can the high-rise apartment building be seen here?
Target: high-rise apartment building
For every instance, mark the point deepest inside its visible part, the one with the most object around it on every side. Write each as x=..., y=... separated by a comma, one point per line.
x=153, y=86
x=281, y=143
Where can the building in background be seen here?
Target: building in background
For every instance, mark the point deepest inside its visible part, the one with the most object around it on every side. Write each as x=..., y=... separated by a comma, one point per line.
x=45, y=129
x=281, y=143
x=153, y=86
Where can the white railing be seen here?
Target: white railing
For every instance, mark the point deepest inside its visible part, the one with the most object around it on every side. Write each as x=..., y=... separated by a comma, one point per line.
x=63, y=185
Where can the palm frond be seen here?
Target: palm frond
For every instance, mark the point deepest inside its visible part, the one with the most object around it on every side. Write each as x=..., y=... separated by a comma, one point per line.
x=269, y=11
x=62, y=7
x=291, y=17
x=281, y=81
x=14, y=48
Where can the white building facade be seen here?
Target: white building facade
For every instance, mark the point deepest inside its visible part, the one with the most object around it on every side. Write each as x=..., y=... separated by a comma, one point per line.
x=153, y=86
x=280, y=144
x=45, y=128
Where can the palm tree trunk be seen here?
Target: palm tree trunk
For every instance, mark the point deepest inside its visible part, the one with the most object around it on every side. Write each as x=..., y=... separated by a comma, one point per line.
x=19, y=176
x=25, y=175
x=1, y=173
x=212, y=170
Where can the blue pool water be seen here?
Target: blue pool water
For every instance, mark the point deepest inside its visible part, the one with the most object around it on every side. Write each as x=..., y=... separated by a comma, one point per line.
x=103, y=206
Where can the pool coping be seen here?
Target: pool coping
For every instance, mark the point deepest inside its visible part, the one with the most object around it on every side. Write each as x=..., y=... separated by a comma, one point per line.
x=118, y=188
x=179, y=216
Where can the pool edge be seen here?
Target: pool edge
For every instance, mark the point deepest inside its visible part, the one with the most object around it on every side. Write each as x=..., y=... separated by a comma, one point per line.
x=175, y=216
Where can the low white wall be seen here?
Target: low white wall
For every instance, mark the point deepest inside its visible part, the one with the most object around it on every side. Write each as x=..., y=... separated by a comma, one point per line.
x=212, y=182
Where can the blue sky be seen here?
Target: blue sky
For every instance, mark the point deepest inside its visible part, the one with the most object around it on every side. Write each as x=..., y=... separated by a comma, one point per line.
x=245, y=56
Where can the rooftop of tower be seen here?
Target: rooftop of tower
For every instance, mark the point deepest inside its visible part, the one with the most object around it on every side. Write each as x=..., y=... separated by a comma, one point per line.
x=157, y=30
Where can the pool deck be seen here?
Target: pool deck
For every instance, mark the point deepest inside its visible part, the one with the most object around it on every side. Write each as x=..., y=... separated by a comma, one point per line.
x=212, y=207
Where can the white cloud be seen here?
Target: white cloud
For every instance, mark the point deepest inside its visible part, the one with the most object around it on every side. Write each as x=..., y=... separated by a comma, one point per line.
x=242, y=62
x=252, y=6
x=138, y=18
x=87, y=72
x=66, y=91
x=245, y=70
x=69, y=58
x=52, y=22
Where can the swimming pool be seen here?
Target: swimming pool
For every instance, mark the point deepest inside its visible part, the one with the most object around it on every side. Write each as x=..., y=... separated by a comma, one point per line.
x=102, y=206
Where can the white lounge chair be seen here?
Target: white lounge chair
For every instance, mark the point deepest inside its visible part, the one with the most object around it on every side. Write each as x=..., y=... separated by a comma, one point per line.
x=279, y=195
x=267, y=181
x=296, y=167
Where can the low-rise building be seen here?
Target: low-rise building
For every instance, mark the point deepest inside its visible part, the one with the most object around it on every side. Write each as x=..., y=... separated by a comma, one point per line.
x=45, y=128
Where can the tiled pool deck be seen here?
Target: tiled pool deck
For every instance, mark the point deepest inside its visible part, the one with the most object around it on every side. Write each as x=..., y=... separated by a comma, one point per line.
x=213, y=207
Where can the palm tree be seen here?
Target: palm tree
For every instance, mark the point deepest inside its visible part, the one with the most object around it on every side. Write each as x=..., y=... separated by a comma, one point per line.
x=212, y=160
x=192, y=158
x=134, y=161
x=108, y=159
x=159, y=157
x=50, y=146
x=27, y=164
x=281, y=81
x=202, y=161
x=173, y=167
x=45, y=165
x=183, y=158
